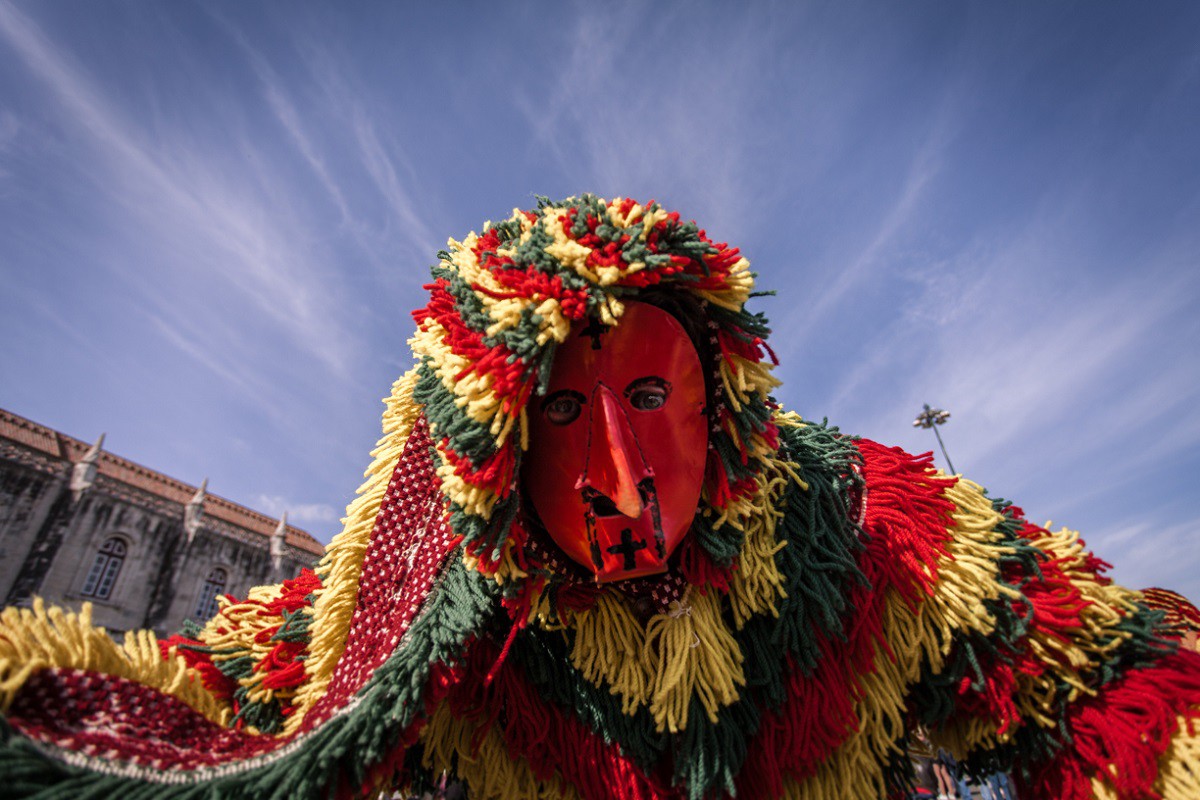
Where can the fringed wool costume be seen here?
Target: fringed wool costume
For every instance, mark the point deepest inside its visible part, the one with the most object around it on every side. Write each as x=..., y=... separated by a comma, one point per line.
x=830, y=595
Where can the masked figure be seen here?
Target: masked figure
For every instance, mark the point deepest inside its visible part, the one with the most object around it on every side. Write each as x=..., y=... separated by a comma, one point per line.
x=620, y=401
x=594, y=558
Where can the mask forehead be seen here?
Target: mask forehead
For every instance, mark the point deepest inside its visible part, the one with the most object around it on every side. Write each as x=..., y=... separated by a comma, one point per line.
x=648, y=342
x=618, y=443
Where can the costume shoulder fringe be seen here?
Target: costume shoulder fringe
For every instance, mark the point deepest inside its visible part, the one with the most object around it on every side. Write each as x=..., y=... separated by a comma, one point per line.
x=40, y=638
x=341, y=566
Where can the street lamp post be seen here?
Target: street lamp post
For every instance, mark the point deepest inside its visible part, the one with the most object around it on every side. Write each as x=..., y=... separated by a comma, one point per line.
x=932, y=418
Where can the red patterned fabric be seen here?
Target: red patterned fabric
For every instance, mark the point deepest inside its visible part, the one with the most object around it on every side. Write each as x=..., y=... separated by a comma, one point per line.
x=109, y=717
x=410, y=541
x=103, y=716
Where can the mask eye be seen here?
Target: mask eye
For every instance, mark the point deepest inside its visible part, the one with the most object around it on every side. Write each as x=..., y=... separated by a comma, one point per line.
x=648, y=394
x=562, y=408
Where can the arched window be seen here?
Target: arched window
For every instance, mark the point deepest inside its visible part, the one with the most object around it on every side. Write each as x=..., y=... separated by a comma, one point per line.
x=105, y=568
x=214, y=585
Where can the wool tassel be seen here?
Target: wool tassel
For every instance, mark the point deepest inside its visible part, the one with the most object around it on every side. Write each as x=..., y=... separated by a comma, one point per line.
x=609, y=647
x=691, y=652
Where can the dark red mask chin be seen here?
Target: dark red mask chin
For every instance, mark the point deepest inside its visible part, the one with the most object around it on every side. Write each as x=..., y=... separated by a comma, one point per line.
x=618, y=444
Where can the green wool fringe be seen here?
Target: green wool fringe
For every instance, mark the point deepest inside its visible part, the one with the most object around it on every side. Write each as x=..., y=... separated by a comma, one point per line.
x=545, y=657
x=820, y=563
x=708, y=757
x=935, y=697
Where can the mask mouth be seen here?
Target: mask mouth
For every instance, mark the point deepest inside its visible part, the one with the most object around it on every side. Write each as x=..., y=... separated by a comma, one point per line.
x=602, y=506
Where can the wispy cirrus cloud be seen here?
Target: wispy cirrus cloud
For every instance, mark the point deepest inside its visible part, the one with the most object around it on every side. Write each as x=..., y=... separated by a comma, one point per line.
x=227, y=225
x=1146, y=554
x=676, y=133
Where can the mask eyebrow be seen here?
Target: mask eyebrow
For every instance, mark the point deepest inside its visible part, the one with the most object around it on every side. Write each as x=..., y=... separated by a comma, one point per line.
x=649, y=380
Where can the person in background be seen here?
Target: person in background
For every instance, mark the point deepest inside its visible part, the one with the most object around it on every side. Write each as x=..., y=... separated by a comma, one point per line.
x=996, y=787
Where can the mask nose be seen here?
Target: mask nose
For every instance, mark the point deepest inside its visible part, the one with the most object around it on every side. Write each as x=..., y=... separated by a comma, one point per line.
x=614, y=464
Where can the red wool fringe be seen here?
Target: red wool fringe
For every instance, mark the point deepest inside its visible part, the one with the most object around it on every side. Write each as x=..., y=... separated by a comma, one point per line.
x=390, y=769
x=548, y=739
x=1122, y=733
x=494, y=473
x=906, y=518
x=700, y=570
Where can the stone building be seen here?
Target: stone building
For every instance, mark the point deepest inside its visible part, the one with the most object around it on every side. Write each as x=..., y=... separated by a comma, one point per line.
x=78, y=523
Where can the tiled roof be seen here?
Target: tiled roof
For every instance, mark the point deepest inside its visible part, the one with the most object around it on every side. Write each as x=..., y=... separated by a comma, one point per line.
x=67, y=448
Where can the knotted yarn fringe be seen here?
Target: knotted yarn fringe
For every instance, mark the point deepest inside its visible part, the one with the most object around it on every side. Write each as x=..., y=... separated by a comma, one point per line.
x=690, y=653
x=683, y=653
x=341, y=566
x=609, y=646
x=38, y=638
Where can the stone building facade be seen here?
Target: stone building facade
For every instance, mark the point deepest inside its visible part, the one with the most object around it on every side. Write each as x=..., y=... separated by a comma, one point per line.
x=79, y=524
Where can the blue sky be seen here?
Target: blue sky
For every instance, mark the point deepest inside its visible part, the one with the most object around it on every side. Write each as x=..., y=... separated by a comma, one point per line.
x=215, y=220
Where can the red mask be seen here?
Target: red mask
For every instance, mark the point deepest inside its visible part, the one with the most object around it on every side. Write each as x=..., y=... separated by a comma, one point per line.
x=618, y=443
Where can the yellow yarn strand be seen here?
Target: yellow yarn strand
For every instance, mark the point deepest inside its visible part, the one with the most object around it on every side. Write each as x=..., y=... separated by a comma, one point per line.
x=609, y=648
x=691, y=652
x=38, y=638
x=1179, y=767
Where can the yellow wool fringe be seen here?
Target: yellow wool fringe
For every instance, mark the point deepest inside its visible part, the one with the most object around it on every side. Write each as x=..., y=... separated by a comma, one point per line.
x=473, y=392
x=855, y=769
x=741, y=284
x=489, y=771
x=969, y=573
x=1070, y=662
x=473, y=499
x=684, y=653
x=742, y=377
x=609, y=642
x=1179, y=767
x=341, y=566
x=756, y=584
x=691, y=653
x=37, y=638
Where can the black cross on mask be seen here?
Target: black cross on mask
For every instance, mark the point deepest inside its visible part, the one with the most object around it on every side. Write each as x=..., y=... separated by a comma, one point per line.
x=594, y=329
x=628, y=548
